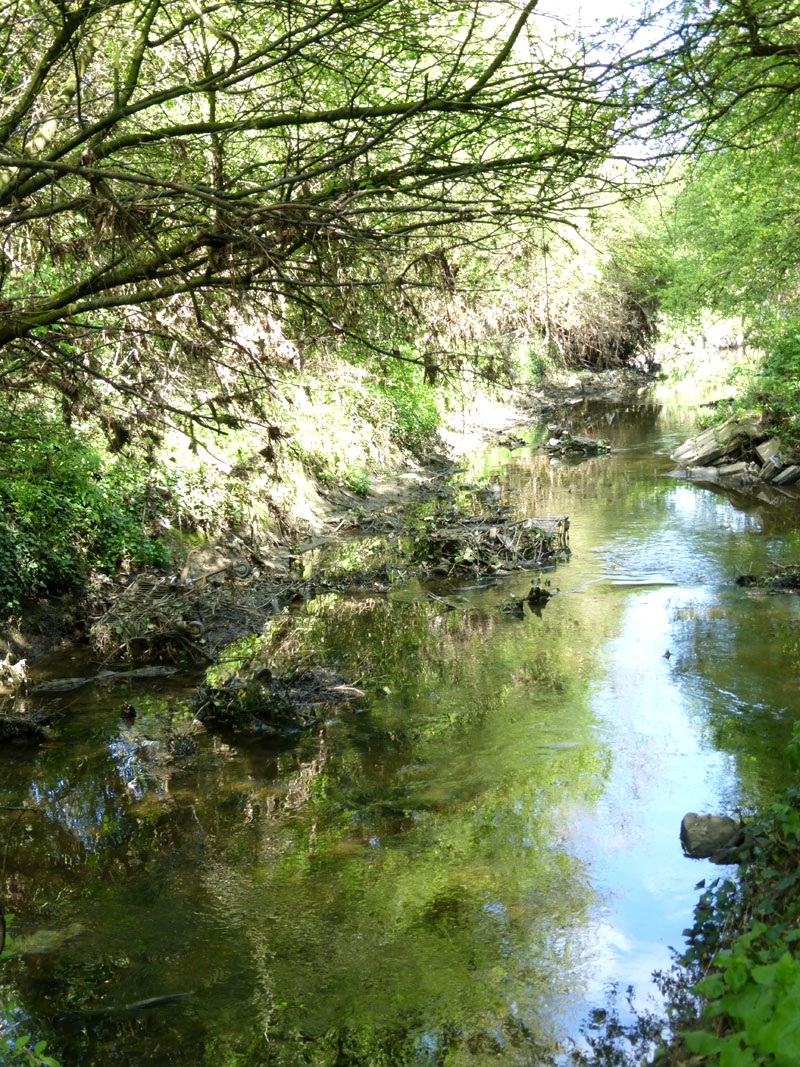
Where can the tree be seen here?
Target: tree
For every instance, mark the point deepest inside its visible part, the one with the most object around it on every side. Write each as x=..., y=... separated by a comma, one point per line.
x=715, y=74
x=163, y=160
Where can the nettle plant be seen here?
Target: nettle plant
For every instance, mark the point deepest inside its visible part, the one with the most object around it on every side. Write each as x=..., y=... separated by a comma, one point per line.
x=753, y=987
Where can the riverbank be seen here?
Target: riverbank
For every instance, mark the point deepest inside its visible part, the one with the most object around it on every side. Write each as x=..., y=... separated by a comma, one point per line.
x=240, y=585
x=239, y=574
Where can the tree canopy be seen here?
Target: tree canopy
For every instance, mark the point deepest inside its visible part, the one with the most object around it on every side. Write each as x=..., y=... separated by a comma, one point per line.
x=164, y=160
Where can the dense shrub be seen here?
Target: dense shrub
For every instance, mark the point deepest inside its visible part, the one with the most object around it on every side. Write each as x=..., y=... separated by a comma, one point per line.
x=63, y=513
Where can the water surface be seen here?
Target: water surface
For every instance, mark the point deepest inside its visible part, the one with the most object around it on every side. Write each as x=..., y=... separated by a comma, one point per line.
x=454, y=872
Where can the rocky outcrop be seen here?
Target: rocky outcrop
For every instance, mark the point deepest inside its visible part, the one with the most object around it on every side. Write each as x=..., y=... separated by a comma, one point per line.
x=738, y=453
x=714, y=837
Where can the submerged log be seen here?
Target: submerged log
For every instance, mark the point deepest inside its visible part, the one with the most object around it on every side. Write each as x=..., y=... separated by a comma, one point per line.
x=65, y=685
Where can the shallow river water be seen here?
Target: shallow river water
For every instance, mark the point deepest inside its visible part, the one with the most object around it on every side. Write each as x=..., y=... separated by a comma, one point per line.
x=454, y=872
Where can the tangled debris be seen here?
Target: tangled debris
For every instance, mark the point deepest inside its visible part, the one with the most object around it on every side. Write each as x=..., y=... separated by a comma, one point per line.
x=264, y=704
x=567, y=444
x=178, y=616
x=476, y=547
x=168, y=615
x=784, y=580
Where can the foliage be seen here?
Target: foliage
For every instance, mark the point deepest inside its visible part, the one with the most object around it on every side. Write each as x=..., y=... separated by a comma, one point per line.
x=748, y=933
x=720, y=135
x=776, y=389
x=713, y=74
x=412, y=409
x=196, y=198
x=64, y=512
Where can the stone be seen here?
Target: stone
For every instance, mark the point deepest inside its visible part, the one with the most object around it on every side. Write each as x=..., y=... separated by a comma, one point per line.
x=787, y=475
x=742, y=432
x=769, y=451
x=720, y=442
x=702, y=474
x=734, y=470
x=714, y=837
x=699, y=451
x=771, y=469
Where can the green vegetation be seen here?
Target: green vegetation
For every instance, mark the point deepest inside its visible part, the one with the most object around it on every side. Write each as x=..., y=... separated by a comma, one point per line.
x=720, y=231
x=206, y=213
x=246, y=247
x=746, y=936
x=65, y=513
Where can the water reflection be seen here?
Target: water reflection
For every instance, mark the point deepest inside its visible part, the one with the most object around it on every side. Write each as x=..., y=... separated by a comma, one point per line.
x=452, y=872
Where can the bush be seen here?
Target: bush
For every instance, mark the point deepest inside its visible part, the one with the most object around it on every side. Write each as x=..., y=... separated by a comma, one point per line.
x=750, y=932
x=63, y=514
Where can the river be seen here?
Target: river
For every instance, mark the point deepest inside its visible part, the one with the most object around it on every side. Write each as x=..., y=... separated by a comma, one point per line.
x=454, y=872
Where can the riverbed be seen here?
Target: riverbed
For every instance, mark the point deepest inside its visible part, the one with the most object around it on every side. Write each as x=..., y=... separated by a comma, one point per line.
x=457, y=869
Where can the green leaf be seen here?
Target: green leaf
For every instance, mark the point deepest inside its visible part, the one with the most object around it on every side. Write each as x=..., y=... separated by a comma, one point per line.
x=711, y=987
x=702, y=1042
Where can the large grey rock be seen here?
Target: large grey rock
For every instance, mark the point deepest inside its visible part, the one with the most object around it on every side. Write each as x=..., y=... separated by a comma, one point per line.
x=700, y=451
x=787, y=476
x=727, y=441
x=714, y=837
x=702, y=474
x=739, y=473
x=769, y=451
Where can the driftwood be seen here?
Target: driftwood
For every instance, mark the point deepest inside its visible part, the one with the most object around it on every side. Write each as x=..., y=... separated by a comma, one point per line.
x=65, y=685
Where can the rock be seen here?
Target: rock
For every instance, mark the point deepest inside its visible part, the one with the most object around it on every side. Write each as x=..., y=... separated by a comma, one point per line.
x=787, y=475
x=734, y=470
x=40, y=941
x=769, y=451
x=25, y=728
x=699, y=451
x=714, y=837
x=771, y=469
x=701, y=474
x=726, y=441
x=739, y=432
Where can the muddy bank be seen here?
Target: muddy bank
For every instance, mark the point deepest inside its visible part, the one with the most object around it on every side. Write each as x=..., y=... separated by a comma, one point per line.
x=231, y=584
